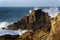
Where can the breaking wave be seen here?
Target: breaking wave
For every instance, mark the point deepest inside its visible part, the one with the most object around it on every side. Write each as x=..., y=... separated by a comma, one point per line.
x=53, y=11
x=11, y=32
x=4, y=24
x=36, y=8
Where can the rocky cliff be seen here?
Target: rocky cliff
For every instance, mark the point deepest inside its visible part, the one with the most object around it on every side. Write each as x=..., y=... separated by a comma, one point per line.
x=40, y=34
x=37, y=19
x=34, y=35
x=55, y=28
x=37, y=23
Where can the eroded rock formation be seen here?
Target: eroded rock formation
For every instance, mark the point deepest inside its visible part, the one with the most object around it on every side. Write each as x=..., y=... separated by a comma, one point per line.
x=41, y=34
x=37, y=19
x=39, y=25
x=55, y=28
x=35, y=35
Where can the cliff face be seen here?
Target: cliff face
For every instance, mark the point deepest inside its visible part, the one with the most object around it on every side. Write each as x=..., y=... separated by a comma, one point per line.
x=41, y=34
x=34, y=35
x=37, y=19
x=39, y=25
x=55, y=28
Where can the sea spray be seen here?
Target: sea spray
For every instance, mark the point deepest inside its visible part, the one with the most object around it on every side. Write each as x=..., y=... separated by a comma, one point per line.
x=4, y=24
x=11, y=32
x=53, y=11
x=36, y=8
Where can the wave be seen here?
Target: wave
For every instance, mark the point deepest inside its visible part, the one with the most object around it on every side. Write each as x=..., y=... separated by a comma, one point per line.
x=36, y=8
x=4, y=24
x=30, y=11
x=11, y=32
x=53, y=11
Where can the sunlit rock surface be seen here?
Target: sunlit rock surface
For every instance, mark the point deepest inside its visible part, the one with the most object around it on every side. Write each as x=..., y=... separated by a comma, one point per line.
x=55, y=28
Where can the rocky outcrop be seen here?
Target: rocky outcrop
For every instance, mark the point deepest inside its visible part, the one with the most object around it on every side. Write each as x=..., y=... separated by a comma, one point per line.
x=37, y=19
x=34, y=35
x=55, y=28
x=37, y=23
x=55, y=22
x=41, y=34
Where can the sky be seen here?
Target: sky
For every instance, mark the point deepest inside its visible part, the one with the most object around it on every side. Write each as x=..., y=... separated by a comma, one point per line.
x=29, y=3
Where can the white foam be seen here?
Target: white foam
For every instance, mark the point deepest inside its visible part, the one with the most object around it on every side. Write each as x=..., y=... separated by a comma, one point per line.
x=36, y=8
x=4, y=24
x=20, y=32
x=30, y=11
x=53, y=11
x=12, y=32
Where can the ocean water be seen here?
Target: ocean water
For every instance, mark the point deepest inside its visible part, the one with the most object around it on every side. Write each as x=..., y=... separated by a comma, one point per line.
x=13, y=13
x=9, y=15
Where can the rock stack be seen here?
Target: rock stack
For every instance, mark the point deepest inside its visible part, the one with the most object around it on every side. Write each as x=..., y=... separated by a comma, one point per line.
x=37, y=19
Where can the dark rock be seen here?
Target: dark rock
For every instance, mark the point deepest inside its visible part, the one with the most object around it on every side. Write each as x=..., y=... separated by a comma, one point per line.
x=37, y=19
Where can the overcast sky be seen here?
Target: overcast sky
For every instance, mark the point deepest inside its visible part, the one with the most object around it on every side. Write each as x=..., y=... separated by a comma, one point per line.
x=26, y=3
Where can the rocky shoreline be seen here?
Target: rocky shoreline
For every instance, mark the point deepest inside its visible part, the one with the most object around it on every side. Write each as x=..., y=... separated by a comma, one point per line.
x=39, y=25
x=37, y=19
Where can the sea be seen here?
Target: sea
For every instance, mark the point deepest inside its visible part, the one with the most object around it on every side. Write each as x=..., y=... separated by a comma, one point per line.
x=9, y=15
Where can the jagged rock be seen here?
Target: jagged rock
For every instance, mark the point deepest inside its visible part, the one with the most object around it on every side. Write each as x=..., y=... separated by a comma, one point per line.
x=37, y=23
x=55, y=22
x=27, y=36
x=37, y=19
x=55, y=28
x=34, y=35
x=54, y=33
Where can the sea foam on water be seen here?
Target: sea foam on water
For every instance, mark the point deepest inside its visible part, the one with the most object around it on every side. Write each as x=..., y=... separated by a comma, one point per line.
x=11, y=32
x=4, y=24
x=53, y=11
